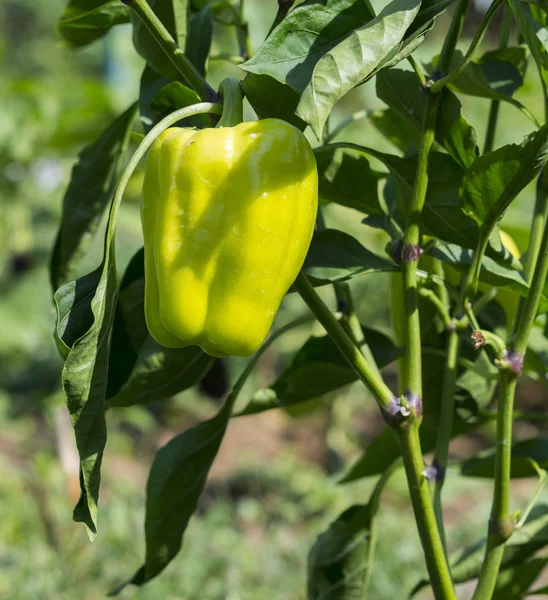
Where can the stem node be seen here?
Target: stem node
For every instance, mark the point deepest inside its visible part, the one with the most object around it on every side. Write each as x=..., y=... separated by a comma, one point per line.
x=500, y=530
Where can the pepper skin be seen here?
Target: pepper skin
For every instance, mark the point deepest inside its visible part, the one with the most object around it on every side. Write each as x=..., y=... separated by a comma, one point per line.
x=227, y=215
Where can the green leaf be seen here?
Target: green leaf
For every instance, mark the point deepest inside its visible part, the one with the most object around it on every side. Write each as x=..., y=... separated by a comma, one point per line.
x=84, y=21
x=74, y=315
x=496, y=178
x=352, y=60
x=159, y=373
x=173, y=14
x=479, y=381
x=291, y=51
x=513, y=583
x=200, y=35
x=401, y=91
x=495, y=76
x=528, y=30
x=176, y=480
x=337, y=562
x=337, y=256
x=270, y=98
x=92, y=185
x=318, y=368
x=84, y=380
x=492, y=272
x=523, y=452
x=396, y=128
x=504, y=68
x=159, y=97
x=347, y=179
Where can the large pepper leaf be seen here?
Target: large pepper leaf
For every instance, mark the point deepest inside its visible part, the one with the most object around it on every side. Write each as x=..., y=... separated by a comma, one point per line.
x=496, y=178
x=92, y=184
x=84, y=21
x=353, y=60
x=291, y=51
x=200, y=36
x=84, y=377
x=337, y=256
x=348, y=179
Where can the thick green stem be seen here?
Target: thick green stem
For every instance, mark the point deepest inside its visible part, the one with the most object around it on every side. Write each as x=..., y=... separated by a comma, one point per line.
x=500, y=523
x=233, y=97
x=440, y=83
x=344, y=343
x=441, y=453
x=495, y=104
x=436, y=562
x=411, y=252
x=172, y=50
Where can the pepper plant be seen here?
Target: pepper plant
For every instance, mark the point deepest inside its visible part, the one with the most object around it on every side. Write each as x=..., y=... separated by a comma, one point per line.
x=465, y=306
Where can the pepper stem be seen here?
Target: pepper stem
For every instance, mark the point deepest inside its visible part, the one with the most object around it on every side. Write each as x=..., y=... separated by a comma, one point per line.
x=233, y=111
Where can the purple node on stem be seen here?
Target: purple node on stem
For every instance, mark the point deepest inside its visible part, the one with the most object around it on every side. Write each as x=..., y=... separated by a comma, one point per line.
x=411, y=253
x=434, y=472
x=514, y=360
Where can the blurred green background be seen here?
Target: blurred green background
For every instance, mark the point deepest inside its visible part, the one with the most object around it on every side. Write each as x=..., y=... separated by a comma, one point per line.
x=273, y=487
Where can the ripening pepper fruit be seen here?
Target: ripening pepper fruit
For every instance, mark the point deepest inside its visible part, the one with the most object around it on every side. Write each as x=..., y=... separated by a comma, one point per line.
x=227, y=215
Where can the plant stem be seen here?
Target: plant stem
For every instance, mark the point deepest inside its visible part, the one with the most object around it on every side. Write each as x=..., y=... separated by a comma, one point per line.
x=418, y=71
x=500, y=522
x=233, y=97
x=472, y=278
x=495, y=104
x=172, y=50
x=451, y=39
x=411, y=241
x=441, y=453
x=381, y=392
x=501, y=525
x=527, y=314
x=436, y=562
x=440, y=83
